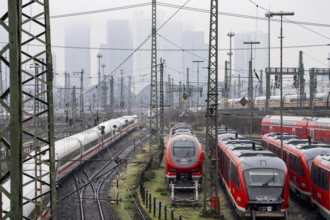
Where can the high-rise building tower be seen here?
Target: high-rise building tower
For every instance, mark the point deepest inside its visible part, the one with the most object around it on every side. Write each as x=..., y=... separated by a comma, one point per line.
x=77, y=55
x=119, y=39
x=242, y=58
x=195, y=40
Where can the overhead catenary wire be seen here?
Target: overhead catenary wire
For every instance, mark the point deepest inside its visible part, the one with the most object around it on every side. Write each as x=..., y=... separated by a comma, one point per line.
x=183, y=8
x=301, y=24
x=129, y=56
x=180, y=49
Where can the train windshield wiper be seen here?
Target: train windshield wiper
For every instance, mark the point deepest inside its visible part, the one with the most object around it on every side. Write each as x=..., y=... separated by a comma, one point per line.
x=268, y=181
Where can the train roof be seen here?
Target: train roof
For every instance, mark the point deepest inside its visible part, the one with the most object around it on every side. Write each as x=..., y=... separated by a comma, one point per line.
x=286, y=137
x=183, y=137
x=244, y=146
x=259, y=159
x=320, y=120
x=311, y=153
x=180, y=125
x=287, y=118
x=323, y=161
x=231, y=137
x=311, y=146
x=274, y=134
x=295, y=141
x=237, y=141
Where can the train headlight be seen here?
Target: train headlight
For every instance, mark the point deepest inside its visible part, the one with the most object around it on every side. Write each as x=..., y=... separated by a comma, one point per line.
x=196, y=169
x=303, y=184
x=171, y=169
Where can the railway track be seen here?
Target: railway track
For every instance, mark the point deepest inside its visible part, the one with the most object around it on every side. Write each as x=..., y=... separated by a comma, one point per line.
x=91, y=183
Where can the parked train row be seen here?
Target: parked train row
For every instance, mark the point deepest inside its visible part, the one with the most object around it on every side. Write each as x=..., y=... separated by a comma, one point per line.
x=255, y=179
x=308, y=167
x=321, y=100
x=317, y=128
x=70, y=153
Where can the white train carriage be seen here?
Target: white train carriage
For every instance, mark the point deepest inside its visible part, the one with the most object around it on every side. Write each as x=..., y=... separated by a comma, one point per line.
x=70, y=153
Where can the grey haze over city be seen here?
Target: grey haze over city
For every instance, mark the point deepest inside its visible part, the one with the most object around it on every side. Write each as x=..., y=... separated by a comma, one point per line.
x=119, y=30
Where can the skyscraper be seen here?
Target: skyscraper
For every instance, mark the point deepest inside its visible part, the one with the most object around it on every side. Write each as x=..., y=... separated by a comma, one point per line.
x=77, y=53
x=242, y=56
x=116, y=55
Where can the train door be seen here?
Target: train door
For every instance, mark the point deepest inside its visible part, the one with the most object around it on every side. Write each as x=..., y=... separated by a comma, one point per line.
x=311, y=134
x=293, y=131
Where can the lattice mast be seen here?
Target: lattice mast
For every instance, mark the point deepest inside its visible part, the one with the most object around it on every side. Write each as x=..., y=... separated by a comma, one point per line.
x=153, y=122
x=211, y=202
x=161, y=104
x=28, y=23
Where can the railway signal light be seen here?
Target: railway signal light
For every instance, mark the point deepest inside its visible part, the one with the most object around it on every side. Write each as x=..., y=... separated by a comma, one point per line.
x=277, y=83
x=184, y=96
x=295, y=81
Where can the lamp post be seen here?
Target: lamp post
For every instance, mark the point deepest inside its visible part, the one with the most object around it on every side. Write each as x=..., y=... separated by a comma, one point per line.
x=103, y=88
x=99, y=56
x=268, y=15
x=230, y=35
x=197, y=61
x=251, y=84
x=281, y=14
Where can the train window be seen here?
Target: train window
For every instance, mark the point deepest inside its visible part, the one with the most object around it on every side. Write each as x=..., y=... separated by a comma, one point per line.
x=314, y=174
x=3, y=153
x=324, y=179
x=234, y=175
x=320, y=177
x=264, y=177
x=285, y=155
x=227, y=168
x=223, y=162
x=183, y=149
x=295, y=164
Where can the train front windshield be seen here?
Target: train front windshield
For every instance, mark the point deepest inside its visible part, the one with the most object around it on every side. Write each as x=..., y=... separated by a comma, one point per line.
x=264, y=185
x=183, y=149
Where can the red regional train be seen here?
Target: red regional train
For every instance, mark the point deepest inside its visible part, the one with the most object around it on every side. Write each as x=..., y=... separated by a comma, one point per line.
x=315, y=127
x=320, y=194
x=184, y=156
x=255, y=179
x=298, y=155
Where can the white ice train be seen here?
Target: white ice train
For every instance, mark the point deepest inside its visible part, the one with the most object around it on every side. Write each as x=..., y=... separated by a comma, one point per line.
x=321, y=100
x=70, y=153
